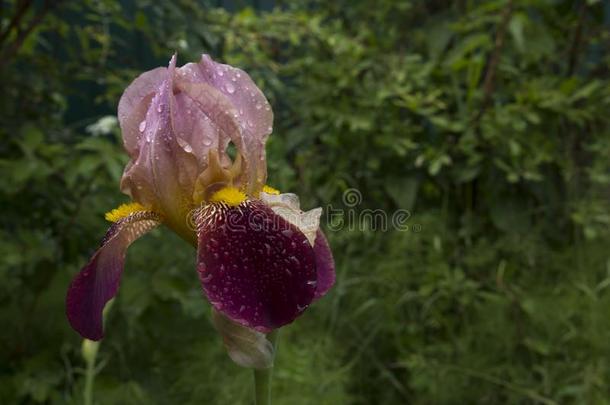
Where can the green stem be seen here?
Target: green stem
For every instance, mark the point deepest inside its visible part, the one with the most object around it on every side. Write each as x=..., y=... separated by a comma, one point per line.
x=90, y=349
x=263, y=377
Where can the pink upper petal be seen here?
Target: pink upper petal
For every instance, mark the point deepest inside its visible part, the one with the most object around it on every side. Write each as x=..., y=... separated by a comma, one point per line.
x=134, y=104
x=163, y=173
x=99, y=280
x=172, y=119
x=251, y=109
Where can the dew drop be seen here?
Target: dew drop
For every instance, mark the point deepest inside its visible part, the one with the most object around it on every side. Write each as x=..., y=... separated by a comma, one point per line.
x=258, y=106
x=207, y=141
x=142, y=126
x=230, y=88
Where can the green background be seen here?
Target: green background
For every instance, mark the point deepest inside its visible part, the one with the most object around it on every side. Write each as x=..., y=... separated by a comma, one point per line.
x=488, y=121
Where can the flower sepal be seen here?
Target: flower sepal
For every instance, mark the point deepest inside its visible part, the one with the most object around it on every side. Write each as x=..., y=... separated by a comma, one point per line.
x=245, y=346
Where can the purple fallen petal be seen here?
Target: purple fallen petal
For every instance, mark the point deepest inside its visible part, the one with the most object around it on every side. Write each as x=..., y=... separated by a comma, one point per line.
x=99, y=280
x=255, y=267
x=325, y=265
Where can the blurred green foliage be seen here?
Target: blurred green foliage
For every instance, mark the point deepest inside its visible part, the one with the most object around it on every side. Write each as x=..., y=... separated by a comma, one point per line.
x=489, y=121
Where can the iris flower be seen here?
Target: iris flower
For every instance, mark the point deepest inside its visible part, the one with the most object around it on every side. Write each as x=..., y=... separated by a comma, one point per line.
x=261, y=260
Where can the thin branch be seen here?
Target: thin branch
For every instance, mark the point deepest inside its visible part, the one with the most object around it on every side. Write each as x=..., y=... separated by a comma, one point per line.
x=574, y=52
x=490, y=74
x=7, y=54
x=22, y=7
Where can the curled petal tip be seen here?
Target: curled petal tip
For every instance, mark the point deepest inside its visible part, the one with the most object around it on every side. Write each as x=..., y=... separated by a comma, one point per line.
x=172, y=61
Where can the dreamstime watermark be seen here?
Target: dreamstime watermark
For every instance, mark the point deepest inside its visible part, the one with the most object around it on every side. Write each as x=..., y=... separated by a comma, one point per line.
x=249, y=217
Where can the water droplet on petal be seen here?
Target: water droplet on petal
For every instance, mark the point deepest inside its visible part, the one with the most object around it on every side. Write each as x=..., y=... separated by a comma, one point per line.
x=258, y=106
x=230, y=88
x=207, y=141
x=160, y=108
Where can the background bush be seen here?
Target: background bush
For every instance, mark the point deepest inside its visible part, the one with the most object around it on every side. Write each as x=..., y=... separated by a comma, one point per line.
x=488, y=121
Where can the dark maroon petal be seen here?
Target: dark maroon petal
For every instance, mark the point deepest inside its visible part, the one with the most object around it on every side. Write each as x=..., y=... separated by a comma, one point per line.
x=325, y=265
x=98, y=281
x=255, y=267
